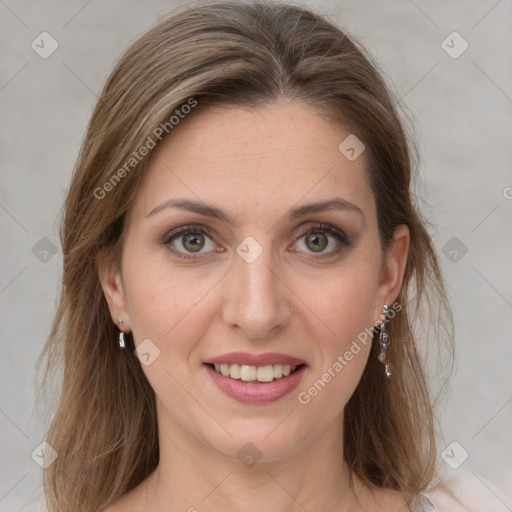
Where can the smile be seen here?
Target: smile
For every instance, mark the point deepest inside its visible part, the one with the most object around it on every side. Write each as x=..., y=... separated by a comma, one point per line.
x=247, y=373
x=256, y=378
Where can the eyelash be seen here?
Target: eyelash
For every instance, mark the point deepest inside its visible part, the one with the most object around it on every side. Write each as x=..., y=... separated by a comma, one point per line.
x=196, y=230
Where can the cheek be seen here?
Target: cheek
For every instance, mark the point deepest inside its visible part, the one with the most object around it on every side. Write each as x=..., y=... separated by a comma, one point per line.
x=344, y=301
x=348, y=304
x=344, y=304
x=173, y=312
x=342, y=352
x=162, y=301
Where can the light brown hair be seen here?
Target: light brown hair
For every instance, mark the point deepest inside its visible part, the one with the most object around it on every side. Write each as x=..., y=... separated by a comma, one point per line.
x=246, y=54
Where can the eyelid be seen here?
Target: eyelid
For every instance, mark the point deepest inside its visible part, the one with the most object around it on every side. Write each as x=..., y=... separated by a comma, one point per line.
x=184, y=230
x=341, y=237
x=321, y=226
x=187, y=228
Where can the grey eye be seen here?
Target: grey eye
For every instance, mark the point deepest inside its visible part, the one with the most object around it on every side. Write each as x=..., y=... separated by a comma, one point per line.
x=317, y=242
x=193, y=242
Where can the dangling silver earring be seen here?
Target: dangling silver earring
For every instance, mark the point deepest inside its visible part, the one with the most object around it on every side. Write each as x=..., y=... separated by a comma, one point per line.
x=384, y=342
x=121, y=335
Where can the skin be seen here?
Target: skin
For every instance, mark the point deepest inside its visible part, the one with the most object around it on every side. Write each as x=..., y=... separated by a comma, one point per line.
x=256, y=164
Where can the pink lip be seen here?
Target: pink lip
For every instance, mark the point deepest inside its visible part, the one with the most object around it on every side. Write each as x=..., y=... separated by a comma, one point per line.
x=256, y=359
x=256, y=392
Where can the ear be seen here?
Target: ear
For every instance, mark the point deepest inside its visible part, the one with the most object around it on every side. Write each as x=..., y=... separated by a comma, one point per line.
x=111, y=282
x=393, y=268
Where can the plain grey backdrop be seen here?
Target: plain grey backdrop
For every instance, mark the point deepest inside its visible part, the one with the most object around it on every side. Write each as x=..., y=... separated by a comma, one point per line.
x=450, y=63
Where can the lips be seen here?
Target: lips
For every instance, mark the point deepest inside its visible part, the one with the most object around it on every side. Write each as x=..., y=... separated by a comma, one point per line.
x=245, y=358
x=256, y=378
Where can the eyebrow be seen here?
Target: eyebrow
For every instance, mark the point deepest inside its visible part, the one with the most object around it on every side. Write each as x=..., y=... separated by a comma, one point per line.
x=207, y=210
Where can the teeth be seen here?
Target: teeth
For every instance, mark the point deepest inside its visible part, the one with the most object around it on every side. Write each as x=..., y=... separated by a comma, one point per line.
x=235, y=371
x=265, y=373
x=248, y=373
x=255, y=373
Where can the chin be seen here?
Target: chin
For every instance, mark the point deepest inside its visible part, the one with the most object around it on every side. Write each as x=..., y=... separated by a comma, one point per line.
x=261, y=440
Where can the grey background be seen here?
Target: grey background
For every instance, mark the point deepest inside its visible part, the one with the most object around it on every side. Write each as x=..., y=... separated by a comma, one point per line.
x=462, y=112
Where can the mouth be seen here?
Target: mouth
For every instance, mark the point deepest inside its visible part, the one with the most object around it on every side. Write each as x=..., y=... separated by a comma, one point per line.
x=256, y=379
x=249, y=373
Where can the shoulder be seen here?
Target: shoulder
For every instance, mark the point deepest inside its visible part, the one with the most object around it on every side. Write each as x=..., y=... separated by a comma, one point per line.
x=445, y=501
x=465, y=491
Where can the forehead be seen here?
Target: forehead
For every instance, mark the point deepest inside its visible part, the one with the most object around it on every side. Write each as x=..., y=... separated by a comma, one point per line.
x=254, y=161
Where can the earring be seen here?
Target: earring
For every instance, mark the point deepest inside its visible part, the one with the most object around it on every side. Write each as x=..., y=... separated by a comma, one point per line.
x=121, y=335
x=384, y=342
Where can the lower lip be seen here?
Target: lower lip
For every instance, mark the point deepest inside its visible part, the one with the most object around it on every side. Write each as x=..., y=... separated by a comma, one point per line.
x=256, y=392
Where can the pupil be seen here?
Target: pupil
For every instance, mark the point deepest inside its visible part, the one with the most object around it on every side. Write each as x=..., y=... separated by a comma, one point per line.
x=318, y=241
x=193, y=242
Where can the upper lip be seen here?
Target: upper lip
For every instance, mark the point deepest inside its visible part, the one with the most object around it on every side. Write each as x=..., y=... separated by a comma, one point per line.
x=248, y=359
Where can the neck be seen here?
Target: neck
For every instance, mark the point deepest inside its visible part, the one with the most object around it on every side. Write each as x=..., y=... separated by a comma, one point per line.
x=193, y=476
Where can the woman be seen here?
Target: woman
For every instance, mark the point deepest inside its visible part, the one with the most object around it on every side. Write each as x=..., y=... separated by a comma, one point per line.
x=243, y=265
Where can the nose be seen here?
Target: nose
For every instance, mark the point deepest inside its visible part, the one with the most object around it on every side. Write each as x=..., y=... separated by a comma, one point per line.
x=256, y=300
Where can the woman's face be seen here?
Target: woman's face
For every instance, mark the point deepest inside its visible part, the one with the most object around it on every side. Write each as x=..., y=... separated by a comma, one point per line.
x=253, y=242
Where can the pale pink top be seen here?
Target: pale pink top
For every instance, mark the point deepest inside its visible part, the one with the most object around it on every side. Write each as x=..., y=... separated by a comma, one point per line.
x=465, y=490
x=421, y=503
